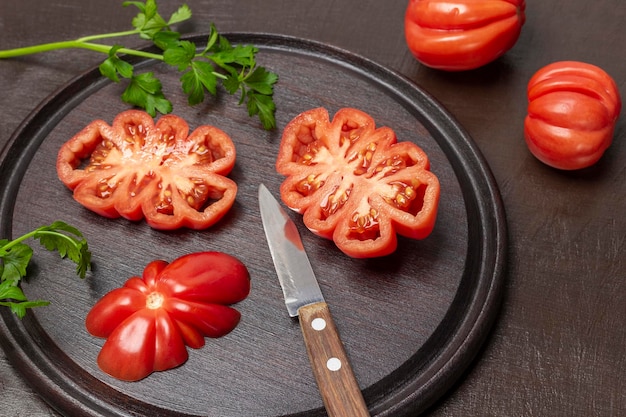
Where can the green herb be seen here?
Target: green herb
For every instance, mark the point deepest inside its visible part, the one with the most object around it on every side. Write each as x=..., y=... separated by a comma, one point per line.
x=234, y=66
x=15, y=256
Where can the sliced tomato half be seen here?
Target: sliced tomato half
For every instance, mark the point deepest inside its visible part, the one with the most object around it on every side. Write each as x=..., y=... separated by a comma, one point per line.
x=149, y=321
x=136, y=168
x=355, y=183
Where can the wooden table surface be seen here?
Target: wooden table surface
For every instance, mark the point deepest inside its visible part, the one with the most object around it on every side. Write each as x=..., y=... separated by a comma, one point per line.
x=558, y=347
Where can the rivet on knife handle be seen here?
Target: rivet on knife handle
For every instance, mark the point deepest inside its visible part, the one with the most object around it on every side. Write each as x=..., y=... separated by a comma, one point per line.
x=339, y=389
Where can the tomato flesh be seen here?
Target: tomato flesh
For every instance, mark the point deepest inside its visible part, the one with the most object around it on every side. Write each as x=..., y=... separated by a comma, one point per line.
x=150, y=320
x=138, y=169
x=572, y=111
x=354, y=183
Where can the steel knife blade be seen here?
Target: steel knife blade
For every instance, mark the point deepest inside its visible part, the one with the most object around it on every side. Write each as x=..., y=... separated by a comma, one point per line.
x=333, y=373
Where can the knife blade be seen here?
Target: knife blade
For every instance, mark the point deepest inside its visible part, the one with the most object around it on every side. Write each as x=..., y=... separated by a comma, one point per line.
x=333, y=373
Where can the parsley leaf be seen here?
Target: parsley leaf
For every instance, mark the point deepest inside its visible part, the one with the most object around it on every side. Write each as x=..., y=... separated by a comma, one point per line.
x=240, y=55
x=264, y=106
x=13, y=297
x=261, y=81
x=114, y=65
x=16, y=255
x=199, y=78
x=144, y=90
x=183, y=13
x=68, y=241
x=14, y=262
x=148, y=22
x=180, y=55
x=166, y=39
x=236, y=67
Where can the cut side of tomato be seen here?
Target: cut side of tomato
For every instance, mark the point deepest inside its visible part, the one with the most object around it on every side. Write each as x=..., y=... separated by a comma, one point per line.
x=149, y=321
x=138, y=169
x=354, y=183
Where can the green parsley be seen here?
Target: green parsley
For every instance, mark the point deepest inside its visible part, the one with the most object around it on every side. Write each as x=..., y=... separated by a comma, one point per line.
x=234, y=67
x=15, y=255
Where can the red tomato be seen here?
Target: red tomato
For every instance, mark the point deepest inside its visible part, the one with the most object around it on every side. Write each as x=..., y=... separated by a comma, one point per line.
x=457, y=35
x=355, y=183
x=149, y=321
x=572, y=111
x=137, y=169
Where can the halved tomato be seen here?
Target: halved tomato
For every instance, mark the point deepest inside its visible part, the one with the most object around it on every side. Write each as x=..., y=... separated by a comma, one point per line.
x=136, y=168
x=354, y=183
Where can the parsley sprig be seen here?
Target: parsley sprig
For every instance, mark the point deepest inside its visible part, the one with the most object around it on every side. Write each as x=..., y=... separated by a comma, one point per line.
x=234, y=67
x=16, y=255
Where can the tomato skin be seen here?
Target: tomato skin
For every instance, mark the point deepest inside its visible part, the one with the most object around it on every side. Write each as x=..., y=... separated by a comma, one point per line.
x=147, y=341
x=188, y=279
x=149, y=321
x=158, y=171
x=354, y=183
x=112, y=309
x=572, y=111
x=458, y=35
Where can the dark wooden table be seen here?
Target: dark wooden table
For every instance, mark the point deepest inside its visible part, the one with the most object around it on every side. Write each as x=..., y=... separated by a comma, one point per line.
x=558, y=345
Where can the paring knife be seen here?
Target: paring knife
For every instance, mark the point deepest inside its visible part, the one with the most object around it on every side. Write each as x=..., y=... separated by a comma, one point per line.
x=335, y=379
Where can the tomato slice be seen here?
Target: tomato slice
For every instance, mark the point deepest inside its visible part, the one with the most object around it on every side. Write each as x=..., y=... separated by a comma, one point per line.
x=354, y=183
x=138, y=169
x=150, y=320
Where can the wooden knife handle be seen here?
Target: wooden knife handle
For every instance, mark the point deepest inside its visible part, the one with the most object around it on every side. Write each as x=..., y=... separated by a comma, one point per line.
x=339, y=389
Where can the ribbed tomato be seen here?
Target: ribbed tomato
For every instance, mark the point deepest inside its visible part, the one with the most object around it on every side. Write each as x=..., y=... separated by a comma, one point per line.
x=456, y=35
x=355, y=183
x=149, y=321
x=136, y=168
x=572, y=111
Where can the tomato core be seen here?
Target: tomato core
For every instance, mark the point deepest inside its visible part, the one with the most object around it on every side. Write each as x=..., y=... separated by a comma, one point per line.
x=154, y=300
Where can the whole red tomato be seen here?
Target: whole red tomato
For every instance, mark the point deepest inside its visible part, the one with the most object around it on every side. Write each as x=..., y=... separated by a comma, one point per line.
x=137, y=168
x=355, y=183
x=572, y=111
x=149, y=321
x=457, y=35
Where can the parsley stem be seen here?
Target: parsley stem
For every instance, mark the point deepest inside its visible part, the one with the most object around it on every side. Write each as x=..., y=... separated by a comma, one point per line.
x=108, y=35
x=39, y=231
x=5, y=249
x=52, y=46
